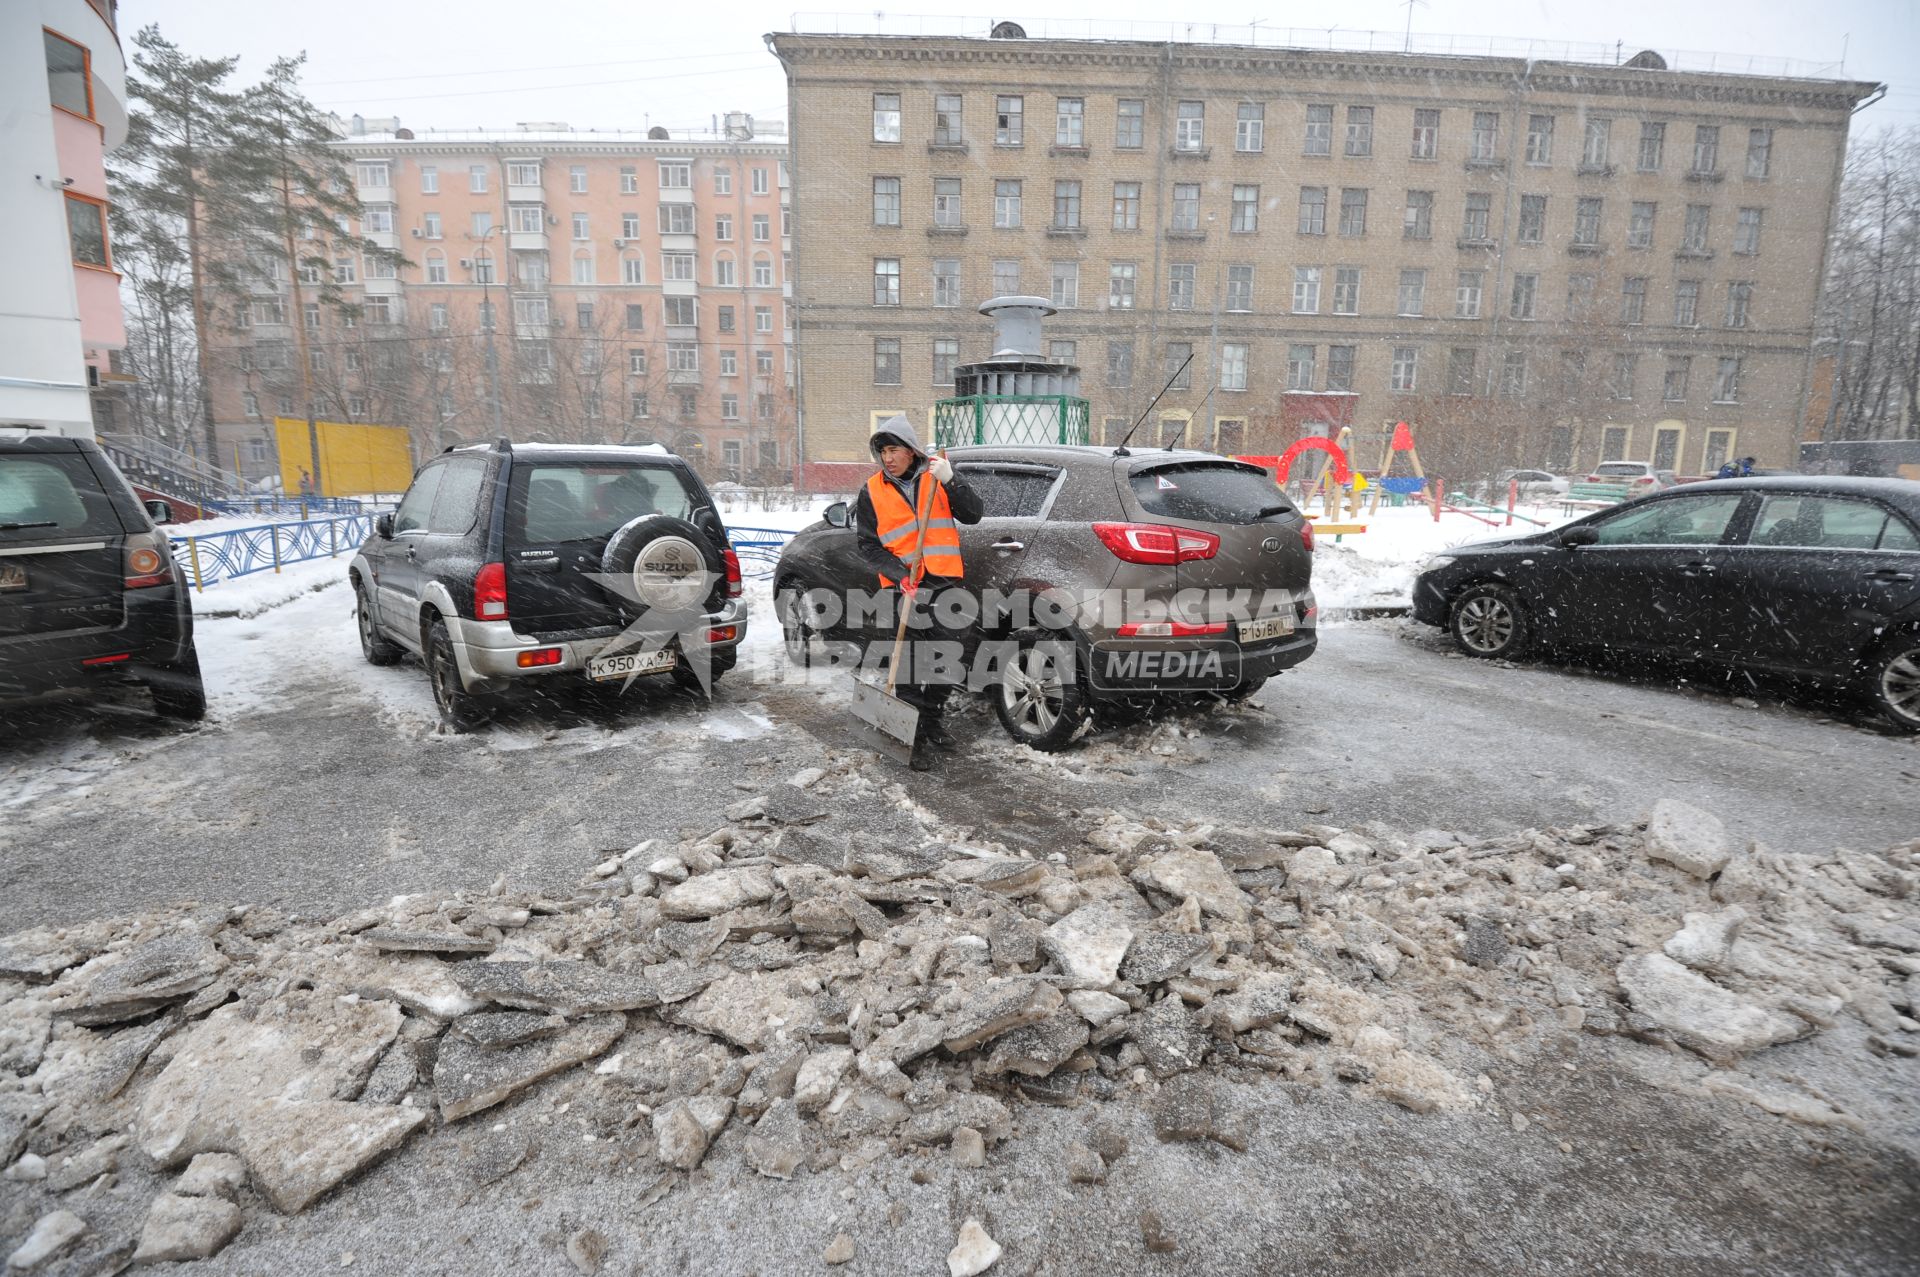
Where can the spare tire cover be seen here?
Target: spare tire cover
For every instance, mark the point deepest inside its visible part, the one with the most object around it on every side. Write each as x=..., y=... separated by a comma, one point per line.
x=662, y=563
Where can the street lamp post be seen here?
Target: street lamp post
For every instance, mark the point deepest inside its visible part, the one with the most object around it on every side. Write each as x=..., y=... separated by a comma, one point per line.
x=486, y=328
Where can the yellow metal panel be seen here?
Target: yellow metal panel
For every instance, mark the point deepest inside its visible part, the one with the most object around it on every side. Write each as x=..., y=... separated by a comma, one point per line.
x=355, y=459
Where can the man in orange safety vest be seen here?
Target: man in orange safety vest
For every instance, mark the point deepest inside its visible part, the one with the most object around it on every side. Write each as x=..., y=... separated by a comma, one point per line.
x=906, y=520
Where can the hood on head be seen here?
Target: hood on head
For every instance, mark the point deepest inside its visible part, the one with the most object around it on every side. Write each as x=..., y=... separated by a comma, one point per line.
x=896, y=429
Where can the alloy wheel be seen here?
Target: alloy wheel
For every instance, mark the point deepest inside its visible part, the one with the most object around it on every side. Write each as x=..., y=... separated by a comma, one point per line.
x=1485, y=624
x=1900, y=684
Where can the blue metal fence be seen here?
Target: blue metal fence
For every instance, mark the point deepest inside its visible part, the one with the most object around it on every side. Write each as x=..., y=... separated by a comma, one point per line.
x=302, y=506
x=215, y=557
x=759, y=549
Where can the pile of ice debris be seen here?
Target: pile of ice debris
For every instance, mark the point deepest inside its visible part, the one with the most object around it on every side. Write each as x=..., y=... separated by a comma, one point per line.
x=818, y=999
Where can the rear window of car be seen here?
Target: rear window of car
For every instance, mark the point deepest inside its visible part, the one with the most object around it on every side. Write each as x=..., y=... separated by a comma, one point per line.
x=563, y=502
x=1209, y=492
x=48, y=495
x=1621, y=469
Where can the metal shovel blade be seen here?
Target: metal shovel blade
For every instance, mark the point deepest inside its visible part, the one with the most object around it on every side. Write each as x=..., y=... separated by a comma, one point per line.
x=885, y=723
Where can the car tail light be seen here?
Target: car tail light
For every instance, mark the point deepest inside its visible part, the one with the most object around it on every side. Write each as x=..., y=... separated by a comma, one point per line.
x=147, y=562
x=1156, y=542
x=1306, y=535
x=537, y=657
x=115, y=659
x=733, y=572
x=1170, y=629
x=490, y=592
x=722, y=634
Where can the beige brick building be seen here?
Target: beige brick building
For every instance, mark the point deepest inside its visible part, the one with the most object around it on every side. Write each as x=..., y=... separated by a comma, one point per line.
x=1534, y=263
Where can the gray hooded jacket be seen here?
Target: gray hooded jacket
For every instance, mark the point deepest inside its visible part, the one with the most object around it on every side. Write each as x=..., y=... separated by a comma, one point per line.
x=960, y=496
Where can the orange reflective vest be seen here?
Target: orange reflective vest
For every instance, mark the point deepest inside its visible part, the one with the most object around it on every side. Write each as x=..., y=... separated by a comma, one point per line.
x=933, y=546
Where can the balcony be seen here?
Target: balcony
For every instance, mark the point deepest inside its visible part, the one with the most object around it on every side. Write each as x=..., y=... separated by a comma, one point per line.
x=1705, y=175
x=1066, y=232
x=527, y=241
x=934, y=232
x=683, y=377
x=679, y=241
x=679, y=287
x=1190, y=153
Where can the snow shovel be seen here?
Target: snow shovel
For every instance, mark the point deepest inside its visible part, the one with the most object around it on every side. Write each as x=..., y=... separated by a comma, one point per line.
x=886, y=723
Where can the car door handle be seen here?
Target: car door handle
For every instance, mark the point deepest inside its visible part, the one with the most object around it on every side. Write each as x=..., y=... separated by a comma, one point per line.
x=1888, y=574
x=1009, y=545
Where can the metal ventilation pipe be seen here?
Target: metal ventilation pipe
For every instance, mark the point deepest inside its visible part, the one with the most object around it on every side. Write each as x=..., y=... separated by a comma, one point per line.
x=1016, y=324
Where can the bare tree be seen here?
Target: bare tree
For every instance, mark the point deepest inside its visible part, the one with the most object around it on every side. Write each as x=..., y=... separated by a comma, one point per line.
x=1869, y=321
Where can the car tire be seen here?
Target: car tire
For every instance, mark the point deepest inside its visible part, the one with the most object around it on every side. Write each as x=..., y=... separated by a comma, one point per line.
x=460, y=709
x=178, y=690
x=375, y=646
x=1488, y=621
x=1041, y=705
x=1892, y=681
x=790, y=605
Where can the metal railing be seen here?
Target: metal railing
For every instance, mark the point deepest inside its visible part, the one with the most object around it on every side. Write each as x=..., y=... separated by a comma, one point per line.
x=305, y=507
x=168, y=469
x=758, y=549
x=220, y=556
x=1008, y=419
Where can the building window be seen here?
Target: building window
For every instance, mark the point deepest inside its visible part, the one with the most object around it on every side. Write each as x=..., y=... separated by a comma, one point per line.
x=438, y=319
x=1476, y=224
x=1300, y=367
x=582, y=228
x=1246, y=210
x=1130, y=124
x=1126, y=206
x=1346, y=290
x=69, y=74
x=1180, y=285
x=1413, y=293
x=723, y=227
x=945, y=356
x=763, y=319
x=1340, y=367
x=1686, y=303
x=1186, y=206
x=1319, y=133
x=1405, y=377
x=1189, y=126
x=251, y=402
x=1693, y=236
x=520, y=173
x=946, y=201
x=1633, y=299
x=372, y=173
x=1066, y=205
x=677, y=267
x=886, y=281
x=629, y=180
x=1006, y=277
x=629, y=225
x=1706, y=149
x=1483, y=144
x=762, y=228
x=1359, y=130
x=485, y=316
x=436, y=270
x=1120, y=280
x=1599, y=138
x=676, y=176
x=946, y=120
x=1674, y=387
x=477, y=179
x=1119, y=364
x=1513, y=375
x=1460, y=361
x=1539, y=139
x=1178, y=371
x=1250, y=127
x=946, y=282
x=1746, y=232
x=723, y=318
x=1586, y=220
x=886, y=117
x=528, y=219
x=1306, y=290
x=1759, y=153
x=1313, y=210
x=431, y=222
x=757, y=181
x=1525, y=289
x=1739, y=301
x=1063, y=352
x=1467, y=290
x=723, y=276
x=1419, y=218
x=1426, y=134
x=346, y=270
x=730, y=411
x=1653, y=146
x=886, y=201
x=633, y=269
x=1006, y=203
x=1620, y=385
x=722, y=180
x=429, y=179
x=87, y=231
x=1353, y=212
x=1233, y=366
x=1009, y=120
x=1532, y=228
x=1726, y=382
x=1640, y=224
x=1066, y=285
x=1070, y=122
x=1580, y=290
x=1240, y=288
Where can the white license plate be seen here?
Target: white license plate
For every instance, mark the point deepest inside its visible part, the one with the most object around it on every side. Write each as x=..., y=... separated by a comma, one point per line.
x=1260, y=631
x=628, y=664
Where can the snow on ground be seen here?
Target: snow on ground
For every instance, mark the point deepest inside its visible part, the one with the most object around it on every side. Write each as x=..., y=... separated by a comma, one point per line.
x=257, y=592
x=1376, y=568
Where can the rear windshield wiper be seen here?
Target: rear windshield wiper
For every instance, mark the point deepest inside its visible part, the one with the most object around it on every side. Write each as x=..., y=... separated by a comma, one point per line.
x=1273, y=509
x=15, y=527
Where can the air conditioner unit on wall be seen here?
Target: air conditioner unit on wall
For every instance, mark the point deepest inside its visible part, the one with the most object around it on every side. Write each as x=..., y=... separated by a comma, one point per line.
x=466, y=263
x=416, y=232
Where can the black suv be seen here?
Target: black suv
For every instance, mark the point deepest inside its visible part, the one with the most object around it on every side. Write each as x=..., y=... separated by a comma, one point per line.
x=526, y=563
x=89, y=593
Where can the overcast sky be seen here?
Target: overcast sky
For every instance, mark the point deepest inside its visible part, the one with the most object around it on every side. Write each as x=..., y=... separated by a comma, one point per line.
x=633, y=63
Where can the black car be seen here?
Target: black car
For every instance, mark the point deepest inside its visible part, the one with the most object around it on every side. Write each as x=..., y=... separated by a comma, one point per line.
x=90, y=596
x=1804, y=576
x=527, y=564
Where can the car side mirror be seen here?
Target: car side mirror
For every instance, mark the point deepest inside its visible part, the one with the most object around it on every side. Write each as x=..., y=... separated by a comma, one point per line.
x=836, y=514
x=1579, y=536
x=158, y=510
x=384, y=527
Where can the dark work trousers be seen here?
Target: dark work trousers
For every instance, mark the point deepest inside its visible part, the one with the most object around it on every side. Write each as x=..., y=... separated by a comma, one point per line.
x=941, y=639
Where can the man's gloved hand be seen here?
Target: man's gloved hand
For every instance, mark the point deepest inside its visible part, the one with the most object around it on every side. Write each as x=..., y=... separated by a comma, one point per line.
x=909, y=586
x=940, y=468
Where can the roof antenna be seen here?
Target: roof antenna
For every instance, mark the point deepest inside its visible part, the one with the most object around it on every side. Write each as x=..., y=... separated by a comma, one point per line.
x=1203, y=407
x=1120, y=450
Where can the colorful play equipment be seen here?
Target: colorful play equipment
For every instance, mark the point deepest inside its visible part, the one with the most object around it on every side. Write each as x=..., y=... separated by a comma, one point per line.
x=1399, y=439
x=1336, y=484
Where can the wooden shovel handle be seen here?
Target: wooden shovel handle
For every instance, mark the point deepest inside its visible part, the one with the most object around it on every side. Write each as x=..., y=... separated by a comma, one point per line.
x=906, y=600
